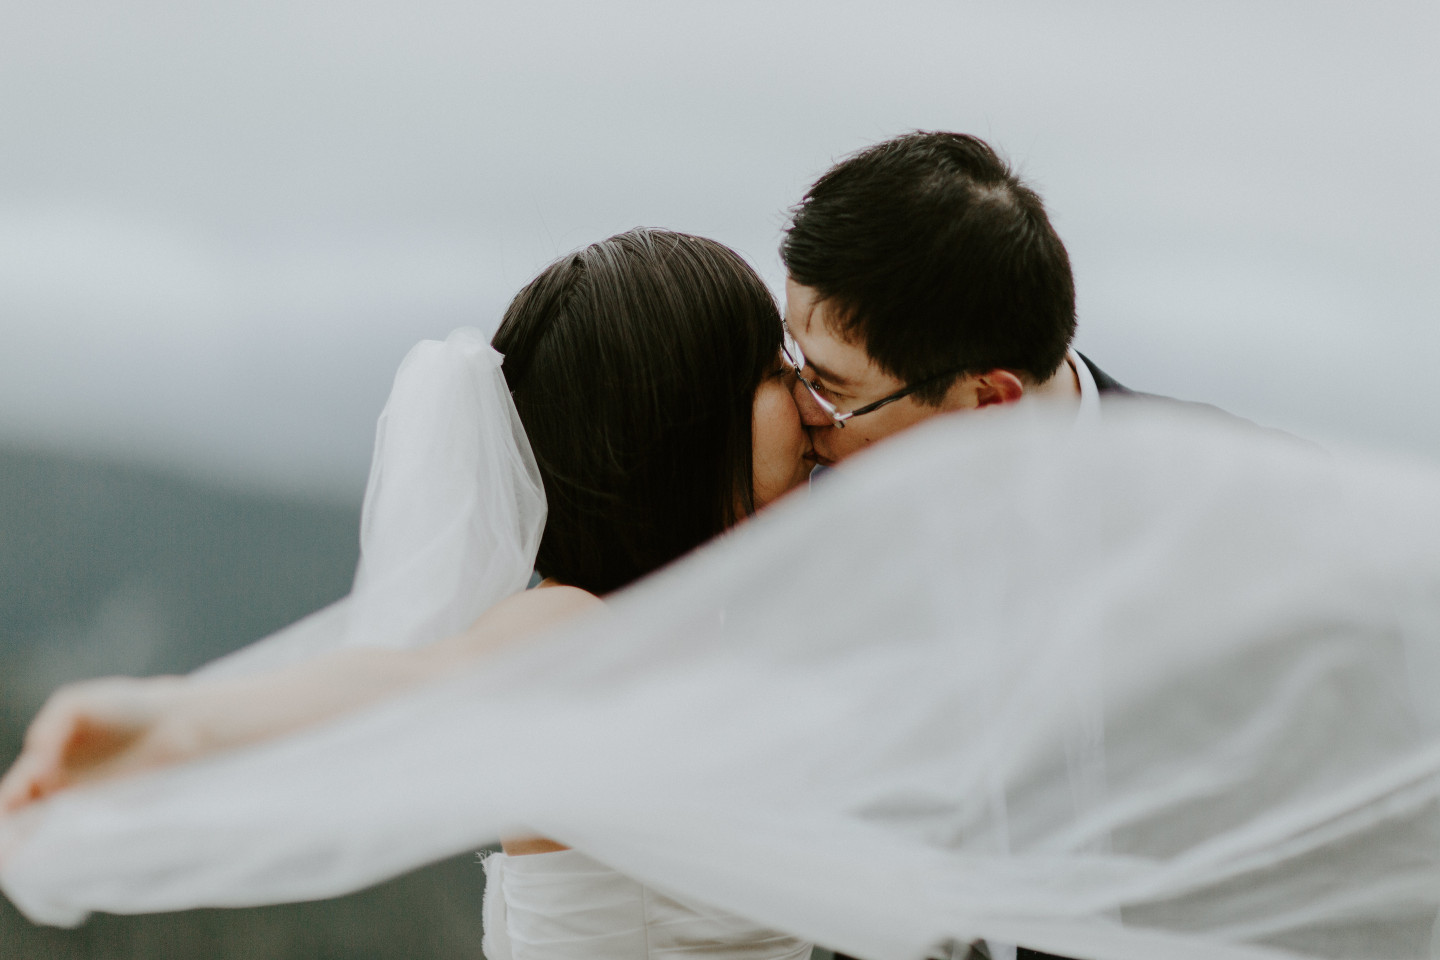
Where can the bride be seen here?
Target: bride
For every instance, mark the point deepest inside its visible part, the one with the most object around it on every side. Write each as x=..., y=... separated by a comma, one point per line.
x=646, y=370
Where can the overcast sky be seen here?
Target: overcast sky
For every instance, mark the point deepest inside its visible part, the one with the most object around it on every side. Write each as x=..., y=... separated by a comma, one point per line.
x=221, y=225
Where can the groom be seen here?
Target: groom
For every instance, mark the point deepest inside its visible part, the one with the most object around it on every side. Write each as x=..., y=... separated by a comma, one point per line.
x=925, y=278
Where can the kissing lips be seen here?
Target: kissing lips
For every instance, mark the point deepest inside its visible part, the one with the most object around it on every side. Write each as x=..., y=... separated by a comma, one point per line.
x=813, y=456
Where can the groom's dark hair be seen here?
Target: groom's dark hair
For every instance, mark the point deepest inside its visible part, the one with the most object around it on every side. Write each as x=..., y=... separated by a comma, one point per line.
x=933, y=255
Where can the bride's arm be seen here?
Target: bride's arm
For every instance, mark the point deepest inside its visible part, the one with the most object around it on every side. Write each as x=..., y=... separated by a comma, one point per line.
x=100, y=729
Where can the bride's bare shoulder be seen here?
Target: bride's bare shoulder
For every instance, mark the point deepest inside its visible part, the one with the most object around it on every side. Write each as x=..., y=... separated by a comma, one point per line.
x=550, y=599
x=530, y=612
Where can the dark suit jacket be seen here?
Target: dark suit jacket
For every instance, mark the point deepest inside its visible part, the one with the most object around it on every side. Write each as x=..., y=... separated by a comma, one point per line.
x=1103, y=380
x=1110, y=387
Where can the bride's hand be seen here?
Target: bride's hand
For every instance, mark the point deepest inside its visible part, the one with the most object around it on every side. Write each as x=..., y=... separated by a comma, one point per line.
x=100, y=729
x=107, y=728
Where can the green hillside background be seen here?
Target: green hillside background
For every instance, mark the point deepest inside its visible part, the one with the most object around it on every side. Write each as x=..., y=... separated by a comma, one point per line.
x=108, y=568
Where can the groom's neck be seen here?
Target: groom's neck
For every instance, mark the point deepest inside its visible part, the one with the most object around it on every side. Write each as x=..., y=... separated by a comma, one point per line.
x=1062, y=387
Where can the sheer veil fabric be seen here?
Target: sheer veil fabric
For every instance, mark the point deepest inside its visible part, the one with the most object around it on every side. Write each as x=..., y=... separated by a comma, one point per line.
x=452, y=518
x=1157, y=688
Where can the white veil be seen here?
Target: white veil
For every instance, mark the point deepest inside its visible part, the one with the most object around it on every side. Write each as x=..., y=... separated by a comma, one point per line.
x=452, y=518
x=1160, y=689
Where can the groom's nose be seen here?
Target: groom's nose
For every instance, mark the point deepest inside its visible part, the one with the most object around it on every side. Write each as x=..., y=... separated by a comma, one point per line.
x=810, y=413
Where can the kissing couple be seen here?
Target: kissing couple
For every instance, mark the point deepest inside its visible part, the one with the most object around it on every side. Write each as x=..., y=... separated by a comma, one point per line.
x=1064, y=669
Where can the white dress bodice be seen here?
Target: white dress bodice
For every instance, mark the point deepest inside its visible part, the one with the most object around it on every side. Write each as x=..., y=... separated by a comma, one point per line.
x=567, y=906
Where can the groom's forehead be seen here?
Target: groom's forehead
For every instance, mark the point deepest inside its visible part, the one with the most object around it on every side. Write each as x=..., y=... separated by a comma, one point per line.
x=806, y=312
x=838, y=359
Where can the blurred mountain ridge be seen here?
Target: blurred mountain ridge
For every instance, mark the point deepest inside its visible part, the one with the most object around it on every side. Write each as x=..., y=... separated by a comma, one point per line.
x=111, y=568
x=93, y=552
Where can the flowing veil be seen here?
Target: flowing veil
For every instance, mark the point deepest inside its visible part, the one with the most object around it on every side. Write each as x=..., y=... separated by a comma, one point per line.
x=452, y=517
x=1160, y=688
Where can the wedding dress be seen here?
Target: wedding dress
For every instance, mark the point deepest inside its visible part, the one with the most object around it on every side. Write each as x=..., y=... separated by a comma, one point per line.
x=567, y=906
x=1163, y=689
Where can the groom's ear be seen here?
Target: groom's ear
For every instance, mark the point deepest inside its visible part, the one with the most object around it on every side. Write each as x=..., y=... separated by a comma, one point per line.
x=995, y=387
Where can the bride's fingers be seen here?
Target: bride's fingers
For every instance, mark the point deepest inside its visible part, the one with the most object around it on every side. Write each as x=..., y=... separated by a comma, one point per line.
x=92, y=731
x=33, y=777
x=41, y=767
x=54, y=725
x=18, y=790
x=92, y=753
x=70, y=736
x=14, y=786
x=19, y=785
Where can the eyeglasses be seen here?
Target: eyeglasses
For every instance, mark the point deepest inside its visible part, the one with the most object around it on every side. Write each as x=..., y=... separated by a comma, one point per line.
x=790, y=350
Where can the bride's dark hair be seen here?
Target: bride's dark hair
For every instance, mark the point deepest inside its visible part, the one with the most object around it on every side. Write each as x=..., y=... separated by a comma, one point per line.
x=634, y=364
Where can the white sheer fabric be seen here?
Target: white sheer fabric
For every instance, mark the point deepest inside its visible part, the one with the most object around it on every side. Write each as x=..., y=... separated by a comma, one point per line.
x=453, y=512
x=1160, y=689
